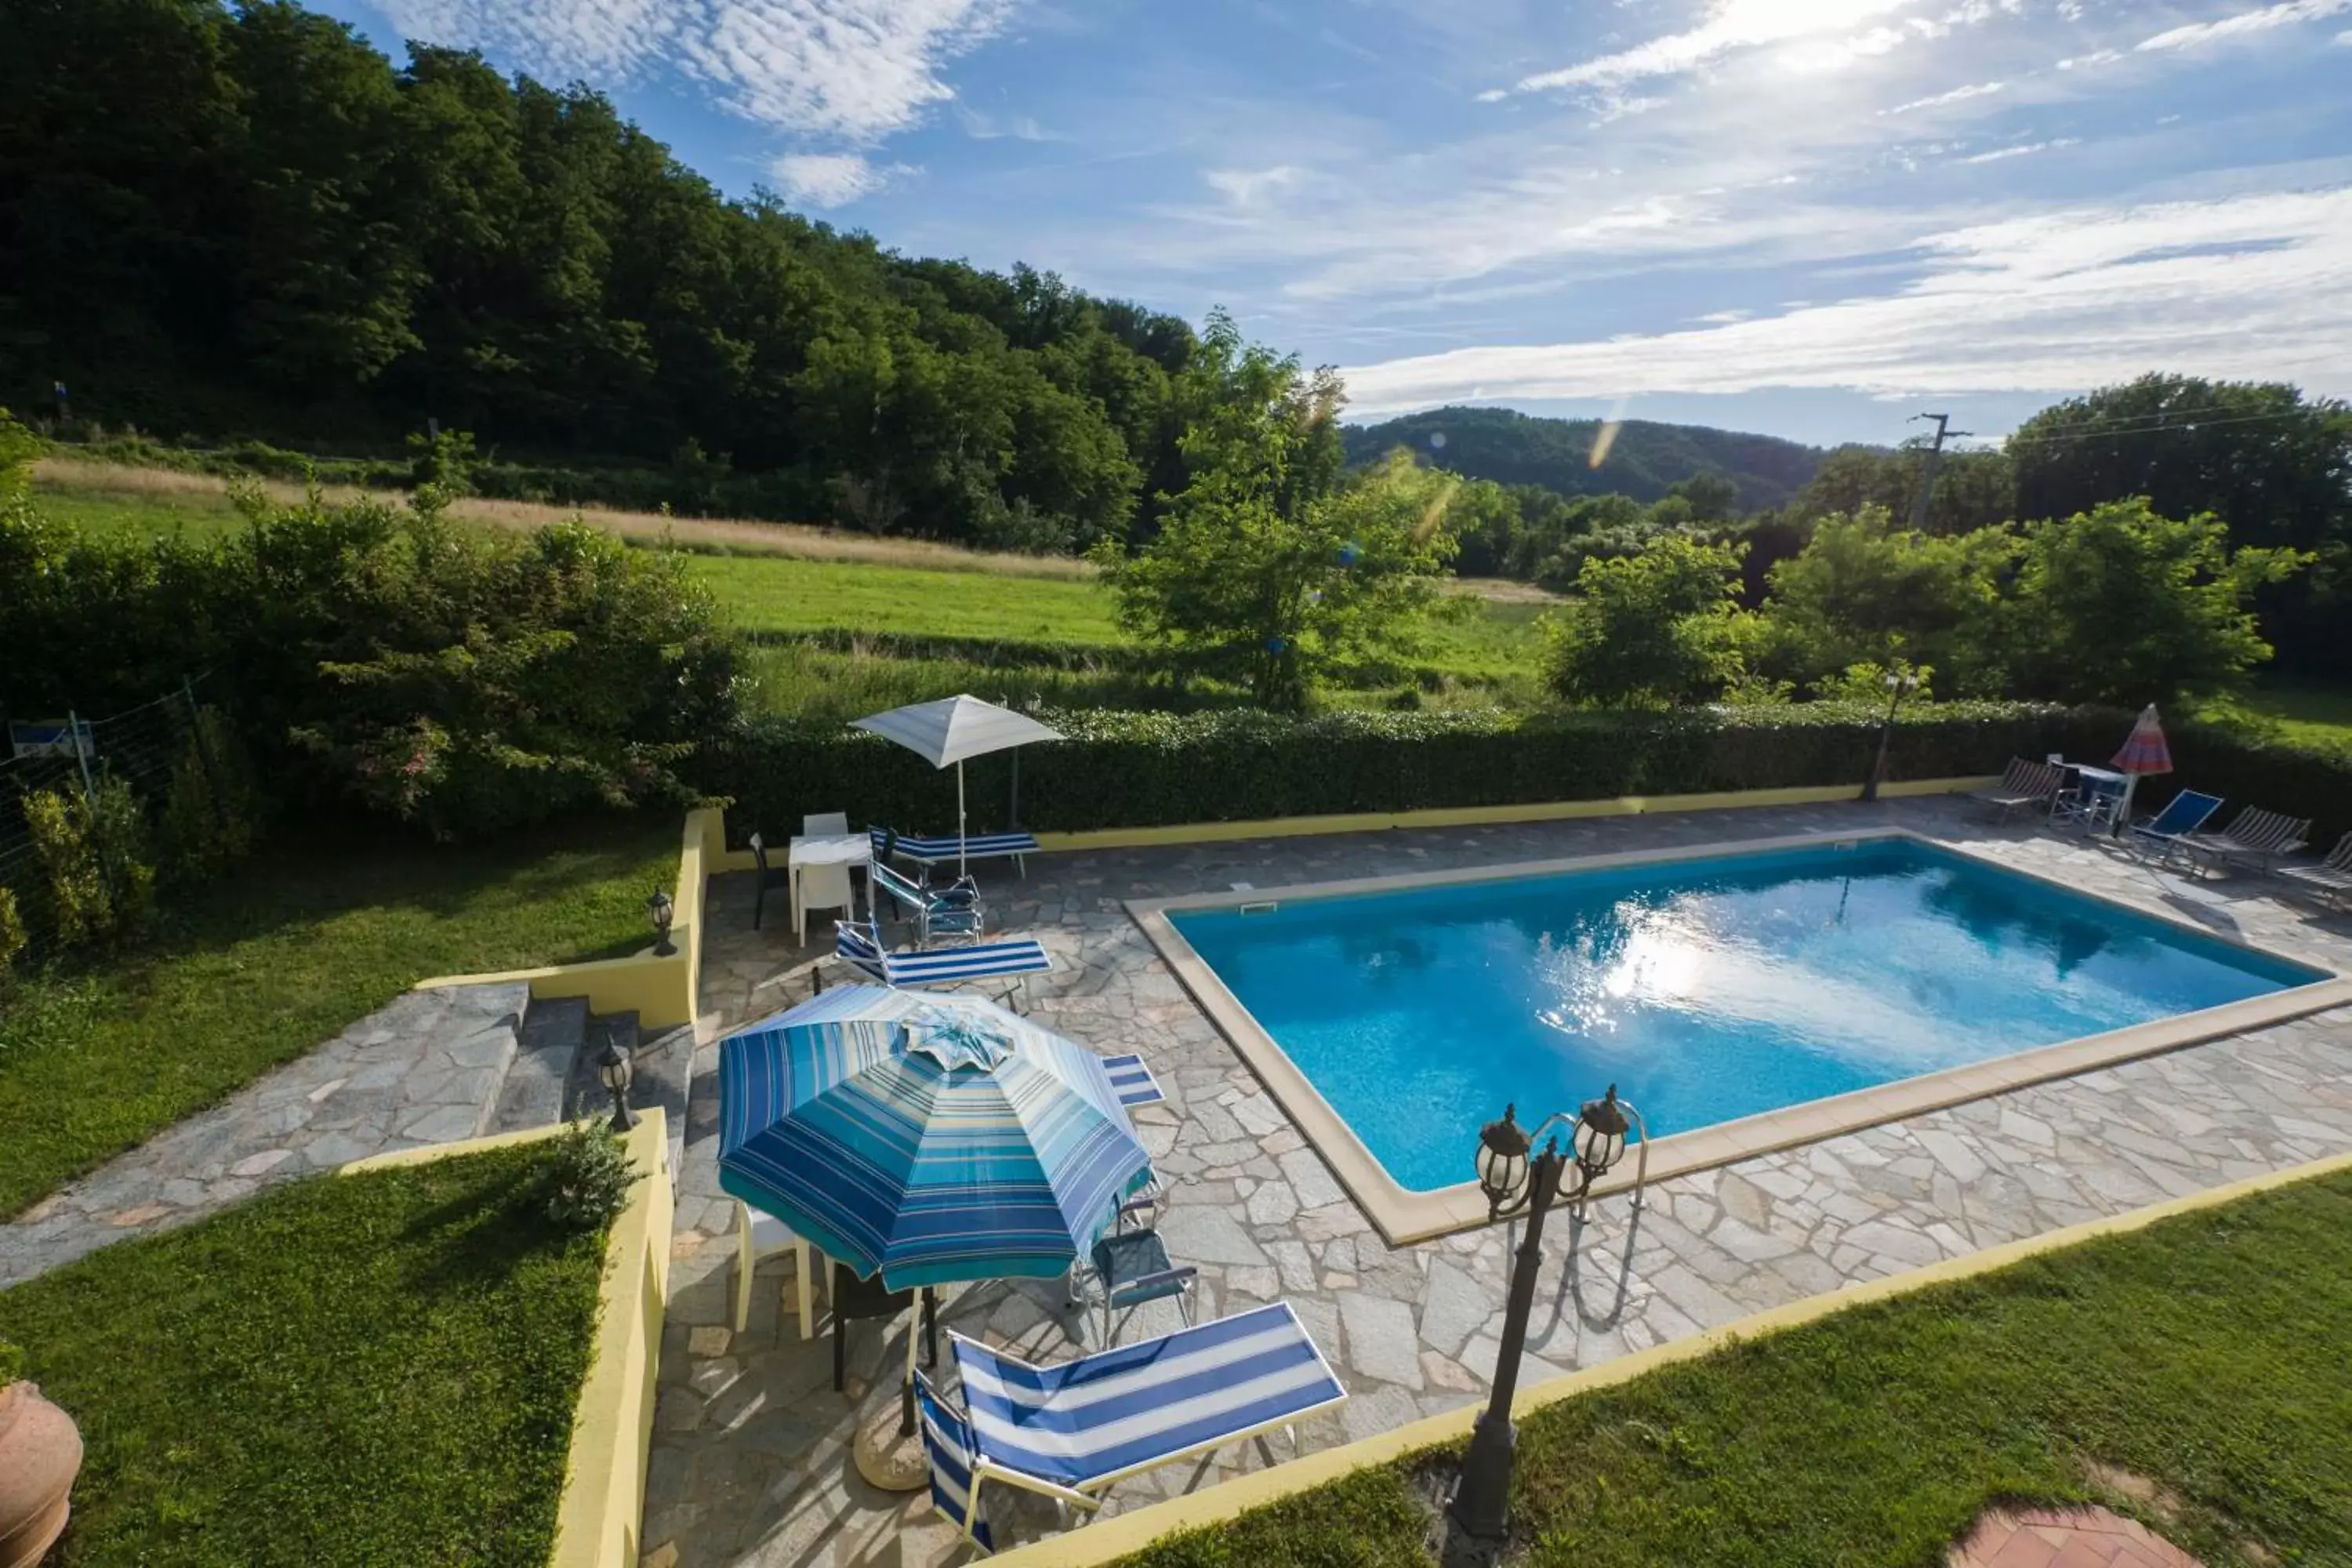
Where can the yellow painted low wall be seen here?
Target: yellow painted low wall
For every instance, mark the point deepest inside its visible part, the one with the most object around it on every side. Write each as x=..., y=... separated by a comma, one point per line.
x=660, y=991
x=1482, y=815
x=604, y=1503
x=1107, y=1541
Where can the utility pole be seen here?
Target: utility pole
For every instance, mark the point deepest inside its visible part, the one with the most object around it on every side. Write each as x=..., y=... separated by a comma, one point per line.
x=1927, y=475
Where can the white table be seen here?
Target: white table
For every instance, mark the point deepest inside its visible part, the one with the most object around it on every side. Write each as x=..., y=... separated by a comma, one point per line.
x=852, y=849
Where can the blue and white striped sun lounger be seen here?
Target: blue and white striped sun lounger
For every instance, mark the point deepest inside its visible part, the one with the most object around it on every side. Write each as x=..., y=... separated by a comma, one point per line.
x=1071, y=1431
x=857, y=946
x=973, y=847
x=1134, y=1081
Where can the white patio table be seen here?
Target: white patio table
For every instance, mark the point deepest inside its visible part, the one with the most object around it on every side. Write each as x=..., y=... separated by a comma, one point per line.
x=850, y=850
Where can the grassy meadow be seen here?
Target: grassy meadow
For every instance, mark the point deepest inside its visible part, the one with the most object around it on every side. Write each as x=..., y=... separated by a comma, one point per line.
x=843, y=623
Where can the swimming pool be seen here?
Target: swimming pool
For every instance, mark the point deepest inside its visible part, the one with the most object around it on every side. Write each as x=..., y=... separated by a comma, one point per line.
x=1708, y=989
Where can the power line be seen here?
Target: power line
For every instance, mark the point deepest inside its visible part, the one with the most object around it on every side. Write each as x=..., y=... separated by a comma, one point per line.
x=2170, y=424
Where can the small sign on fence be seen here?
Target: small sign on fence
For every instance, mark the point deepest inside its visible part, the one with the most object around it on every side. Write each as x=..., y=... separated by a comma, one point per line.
x=49, y=738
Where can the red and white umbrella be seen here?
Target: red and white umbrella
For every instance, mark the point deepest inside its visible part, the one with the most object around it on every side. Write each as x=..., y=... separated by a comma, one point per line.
x=2143, y=752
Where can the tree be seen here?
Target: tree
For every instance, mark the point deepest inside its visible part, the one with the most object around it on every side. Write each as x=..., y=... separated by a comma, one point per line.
x=1864, y=591
x=2121, y=606
x=1652, y=630
x=2276, y=468
x=1973, y=489
x=1266, y=569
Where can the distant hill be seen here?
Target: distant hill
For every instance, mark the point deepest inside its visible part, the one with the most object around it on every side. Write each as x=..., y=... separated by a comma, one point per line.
x=1514, y=448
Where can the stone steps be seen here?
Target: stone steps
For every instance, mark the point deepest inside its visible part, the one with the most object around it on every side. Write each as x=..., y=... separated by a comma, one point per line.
x=533, y=1094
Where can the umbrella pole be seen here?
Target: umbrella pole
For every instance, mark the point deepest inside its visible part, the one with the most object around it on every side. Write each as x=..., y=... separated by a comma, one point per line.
x=959, y=828
x=907, y=1394
x=2123, y=807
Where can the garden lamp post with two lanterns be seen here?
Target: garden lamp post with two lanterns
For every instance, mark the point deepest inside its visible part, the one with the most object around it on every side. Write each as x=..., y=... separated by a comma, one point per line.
x=1515, y=1182
x=1899, y=685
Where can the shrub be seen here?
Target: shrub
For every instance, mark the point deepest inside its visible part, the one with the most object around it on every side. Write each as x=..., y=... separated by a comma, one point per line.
x=211, y=805
x=589, y=1178
x=92, y=849
x=466, y=680
x=1654, y=629
x=12, y=1364
x=12, y=943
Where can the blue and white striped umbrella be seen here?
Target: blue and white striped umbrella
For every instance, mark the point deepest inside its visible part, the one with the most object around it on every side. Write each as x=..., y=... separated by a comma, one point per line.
x=932, y=1138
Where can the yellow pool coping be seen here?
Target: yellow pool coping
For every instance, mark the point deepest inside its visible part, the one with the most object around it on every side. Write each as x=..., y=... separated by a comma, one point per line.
x=1402, y=1215
x=1107, y=1541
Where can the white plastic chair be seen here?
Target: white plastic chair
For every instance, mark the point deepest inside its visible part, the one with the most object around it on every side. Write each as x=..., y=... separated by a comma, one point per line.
x=759, y=1235
x=825, y=825
x=821, y=887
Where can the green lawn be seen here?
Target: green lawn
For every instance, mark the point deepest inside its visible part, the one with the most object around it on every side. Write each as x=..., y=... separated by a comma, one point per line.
x=772, y=593
x=349, y=1369
x=312, y=934
x=2315, y=715
x=99, y=514
x=2206, y=1354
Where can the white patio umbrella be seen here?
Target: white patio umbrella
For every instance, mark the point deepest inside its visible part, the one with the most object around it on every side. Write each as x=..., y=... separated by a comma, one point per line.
x=953, y=729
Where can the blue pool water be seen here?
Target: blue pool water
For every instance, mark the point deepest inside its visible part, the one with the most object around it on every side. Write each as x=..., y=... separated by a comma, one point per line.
x=1706, y=990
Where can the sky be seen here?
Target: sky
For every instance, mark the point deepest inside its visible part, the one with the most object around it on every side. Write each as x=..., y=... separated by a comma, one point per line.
x=1814, y=218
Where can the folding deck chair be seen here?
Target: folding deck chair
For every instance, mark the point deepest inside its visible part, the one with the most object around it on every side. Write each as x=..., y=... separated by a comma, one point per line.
x=947, y=850
x=1070, y=1432
x=2169, y=830
x=2329, y=880
x=2259, y=839
x=860, y=947
x=2025, y=784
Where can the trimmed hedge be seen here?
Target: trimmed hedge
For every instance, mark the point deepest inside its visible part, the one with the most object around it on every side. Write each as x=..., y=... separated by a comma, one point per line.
x=1143, y=769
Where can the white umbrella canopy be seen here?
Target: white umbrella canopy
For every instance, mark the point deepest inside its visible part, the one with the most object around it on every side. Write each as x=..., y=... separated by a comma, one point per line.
x=953, y=729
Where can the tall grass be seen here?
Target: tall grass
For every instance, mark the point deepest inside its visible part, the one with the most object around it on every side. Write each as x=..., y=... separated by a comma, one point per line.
x=198, y=498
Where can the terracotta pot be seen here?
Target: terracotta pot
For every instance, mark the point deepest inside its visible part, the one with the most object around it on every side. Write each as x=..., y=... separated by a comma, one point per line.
x=40, y=1453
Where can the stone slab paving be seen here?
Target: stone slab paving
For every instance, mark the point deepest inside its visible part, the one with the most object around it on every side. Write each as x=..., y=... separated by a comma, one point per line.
x=425, y=1069
x=750, y=1453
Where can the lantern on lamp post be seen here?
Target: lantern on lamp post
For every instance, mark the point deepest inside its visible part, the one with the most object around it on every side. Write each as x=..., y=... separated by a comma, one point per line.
x=662, y=911
x=614, y=1067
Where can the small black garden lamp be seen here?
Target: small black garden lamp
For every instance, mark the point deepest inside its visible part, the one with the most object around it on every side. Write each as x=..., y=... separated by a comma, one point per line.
x=1513, y=1184
x=663, y=912
x=1899, y=685
x=612, y=1066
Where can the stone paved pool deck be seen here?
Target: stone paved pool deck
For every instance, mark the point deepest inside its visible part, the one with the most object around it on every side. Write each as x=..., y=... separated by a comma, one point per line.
x=749, y=1463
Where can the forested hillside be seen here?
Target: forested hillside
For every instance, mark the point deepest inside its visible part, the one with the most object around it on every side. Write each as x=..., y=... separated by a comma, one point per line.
x=245, y=221
x=1643, y=461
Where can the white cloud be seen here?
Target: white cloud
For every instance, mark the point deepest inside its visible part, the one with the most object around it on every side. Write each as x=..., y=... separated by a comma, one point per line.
x=2251, y=287
x=1997, y=153
x=852, y=69
x=831, y=179
x=1958, y=95
x=1244, y=186
x=2244, y=23
x=1732, y=25
x=2096, y=57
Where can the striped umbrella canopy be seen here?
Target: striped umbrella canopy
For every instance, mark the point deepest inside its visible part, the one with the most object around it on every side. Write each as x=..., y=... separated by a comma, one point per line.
x=2143, y=752
x=931, y=1138
x=2143, y=748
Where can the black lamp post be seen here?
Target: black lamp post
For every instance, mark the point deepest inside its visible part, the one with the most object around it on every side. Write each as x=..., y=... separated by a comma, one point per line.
x=612, y=1066
x=1898, y=686
x=1513, y=1184
x=662, y=911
